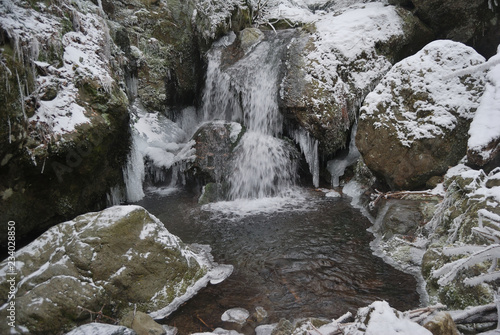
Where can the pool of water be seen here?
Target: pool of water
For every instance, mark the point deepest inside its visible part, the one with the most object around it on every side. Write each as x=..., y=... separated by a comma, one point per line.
x=313, y=260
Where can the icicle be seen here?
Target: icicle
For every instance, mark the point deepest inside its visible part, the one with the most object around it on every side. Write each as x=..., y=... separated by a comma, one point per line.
x=133, y=173
x=337, y=166
x=21, y=96
x=309, y=147
x=10, y=129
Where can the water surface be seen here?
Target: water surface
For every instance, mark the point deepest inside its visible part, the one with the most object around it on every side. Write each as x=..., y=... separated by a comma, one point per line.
x=314, y=262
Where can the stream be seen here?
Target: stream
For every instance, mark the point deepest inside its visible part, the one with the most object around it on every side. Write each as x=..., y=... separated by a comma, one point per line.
x=308, y=259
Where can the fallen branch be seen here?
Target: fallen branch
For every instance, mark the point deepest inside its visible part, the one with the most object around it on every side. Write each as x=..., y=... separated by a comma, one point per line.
x=201, y=320
x=478, y=314
x=397, y=195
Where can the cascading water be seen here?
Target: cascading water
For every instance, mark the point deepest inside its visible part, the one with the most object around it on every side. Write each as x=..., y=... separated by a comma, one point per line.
x=247, y=91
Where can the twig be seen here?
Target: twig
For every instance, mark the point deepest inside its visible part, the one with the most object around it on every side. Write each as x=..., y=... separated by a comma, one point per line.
x=201, y=320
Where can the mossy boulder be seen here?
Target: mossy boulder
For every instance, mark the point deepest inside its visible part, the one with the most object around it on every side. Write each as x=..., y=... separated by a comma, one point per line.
x=121, y=258
x=409, y=130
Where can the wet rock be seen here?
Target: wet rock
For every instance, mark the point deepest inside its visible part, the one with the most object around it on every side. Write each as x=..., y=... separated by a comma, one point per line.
x=408, y=131
x=402, y=218
x=326, y=78
x=442, y=324
x=142, y=324
x=215, y=142
x=121, y=258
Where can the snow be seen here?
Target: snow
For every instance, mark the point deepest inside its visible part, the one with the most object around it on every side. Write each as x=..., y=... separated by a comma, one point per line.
x=441, y=97
x=236, y=315
x=384, y=320
x=485, y=127
x=101, y=329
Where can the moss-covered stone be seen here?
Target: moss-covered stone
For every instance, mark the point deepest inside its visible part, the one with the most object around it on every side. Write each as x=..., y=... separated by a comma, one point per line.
x=121, y=258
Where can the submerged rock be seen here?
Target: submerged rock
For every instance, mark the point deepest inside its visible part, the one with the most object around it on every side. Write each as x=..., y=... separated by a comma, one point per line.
x=121, y=258
x=413, y=126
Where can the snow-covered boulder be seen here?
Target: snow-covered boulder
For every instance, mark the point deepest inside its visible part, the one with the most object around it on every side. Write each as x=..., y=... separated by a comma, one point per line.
x=118, y=259
x=337, y=60
x=414, y=124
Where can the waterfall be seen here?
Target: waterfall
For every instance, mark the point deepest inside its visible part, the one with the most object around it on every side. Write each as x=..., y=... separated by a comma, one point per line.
x=247, y=91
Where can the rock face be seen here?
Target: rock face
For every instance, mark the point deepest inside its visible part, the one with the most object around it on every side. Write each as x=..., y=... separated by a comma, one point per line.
x=413, y=126
x=328, y=73
x=164, y=42
x=472, y=22
x=118, y=258
x=64, y=132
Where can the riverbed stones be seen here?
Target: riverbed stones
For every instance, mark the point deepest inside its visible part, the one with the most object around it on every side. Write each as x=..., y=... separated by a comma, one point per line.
x=414, y=125
x=116, y=260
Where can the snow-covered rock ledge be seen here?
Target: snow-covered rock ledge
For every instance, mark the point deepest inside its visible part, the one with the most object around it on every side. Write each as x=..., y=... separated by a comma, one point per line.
x=120, y=258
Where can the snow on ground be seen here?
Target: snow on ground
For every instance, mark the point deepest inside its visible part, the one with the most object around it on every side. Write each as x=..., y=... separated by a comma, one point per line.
x=485, y=127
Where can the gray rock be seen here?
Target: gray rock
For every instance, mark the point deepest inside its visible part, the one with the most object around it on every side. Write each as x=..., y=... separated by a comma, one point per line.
x=215, y=142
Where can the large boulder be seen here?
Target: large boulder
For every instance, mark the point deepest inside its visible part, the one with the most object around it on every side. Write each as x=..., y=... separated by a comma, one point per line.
x=414, y=125
x=115, y=261
x=64, y=130
x=337, y=60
